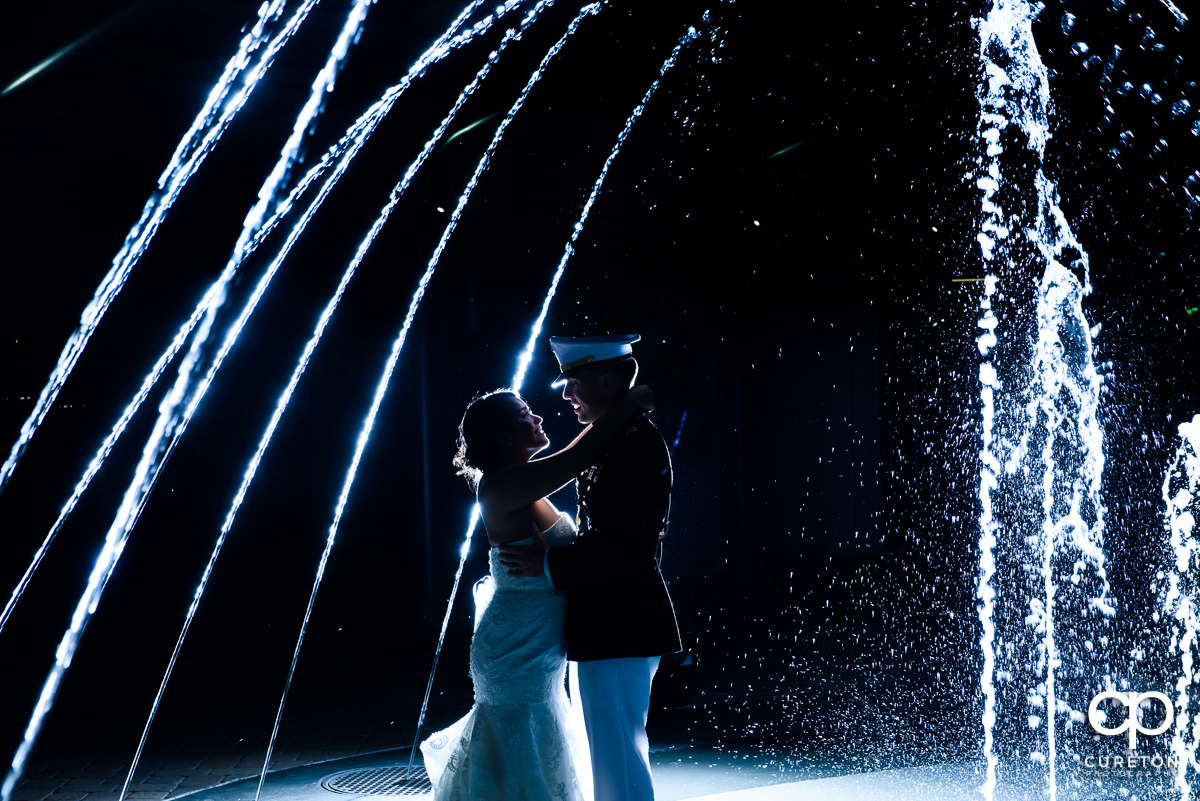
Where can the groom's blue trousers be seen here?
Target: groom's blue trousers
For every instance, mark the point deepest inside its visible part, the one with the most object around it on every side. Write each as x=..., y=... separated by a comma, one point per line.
x=615, y=695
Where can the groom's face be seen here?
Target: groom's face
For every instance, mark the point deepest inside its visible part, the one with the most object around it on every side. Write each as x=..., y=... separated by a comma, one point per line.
x=588, y=390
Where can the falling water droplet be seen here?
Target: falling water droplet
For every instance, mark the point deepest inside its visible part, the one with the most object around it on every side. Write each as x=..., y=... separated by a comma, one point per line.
x=1192, y=187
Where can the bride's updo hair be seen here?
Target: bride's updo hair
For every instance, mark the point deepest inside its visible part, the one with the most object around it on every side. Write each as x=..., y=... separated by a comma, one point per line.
x=488, y=417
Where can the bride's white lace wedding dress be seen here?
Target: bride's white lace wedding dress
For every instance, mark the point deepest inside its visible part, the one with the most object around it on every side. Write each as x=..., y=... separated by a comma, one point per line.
x=521, y=741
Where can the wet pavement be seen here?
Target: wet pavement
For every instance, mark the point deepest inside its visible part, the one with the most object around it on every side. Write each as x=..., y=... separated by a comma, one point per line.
x=741, y=709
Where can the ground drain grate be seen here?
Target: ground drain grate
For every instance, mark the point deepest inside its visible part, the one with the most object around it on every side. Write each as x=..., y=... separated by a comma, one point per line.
x=380, y=781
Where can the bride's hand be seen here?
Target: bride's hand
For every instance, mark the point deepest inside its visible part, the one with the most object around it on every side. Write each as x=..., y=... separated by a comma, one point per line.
x=642, y=397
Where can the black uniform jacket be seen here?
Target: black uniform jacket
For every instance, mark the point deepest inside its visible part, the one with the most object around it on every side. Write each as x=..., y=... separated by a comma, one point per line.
x=617, y=602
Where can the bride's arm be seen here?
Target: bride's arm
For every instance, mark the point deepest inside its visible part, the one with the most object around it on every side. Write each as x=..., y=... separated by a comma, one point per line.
x=519, y=485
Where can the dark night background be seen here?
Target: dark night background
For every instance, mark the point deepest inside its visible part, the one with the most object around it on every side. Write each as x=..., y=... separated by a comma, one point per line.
x=783, y=227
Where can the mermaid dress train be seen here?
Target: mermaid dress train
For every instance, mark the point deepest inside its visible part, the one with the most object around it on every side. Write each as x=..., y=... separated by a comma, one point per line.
x=521, y=741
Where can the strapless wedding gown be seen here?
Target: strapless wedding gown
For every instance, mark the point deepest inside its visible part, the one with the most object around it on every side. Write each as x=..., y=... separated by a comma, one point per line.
x=522, y=740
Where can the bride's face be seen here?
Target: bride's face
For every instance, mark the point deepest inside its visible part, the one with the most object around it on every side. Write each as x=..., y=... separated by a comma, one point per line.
x=526, y=434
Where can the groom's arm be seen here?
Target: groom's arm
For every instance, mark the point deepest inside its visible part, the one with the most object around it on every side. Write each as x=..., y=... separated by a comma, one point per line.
x=526, y=561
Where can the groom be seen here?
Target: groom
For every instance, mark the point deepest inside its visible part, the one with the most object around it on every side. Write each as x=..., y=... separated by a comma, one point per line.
x=619, y=617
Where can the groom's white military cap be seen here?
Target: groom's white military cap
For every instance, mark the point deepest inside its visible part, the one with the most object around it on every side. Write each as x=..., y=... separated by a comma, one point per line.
x=573, y=352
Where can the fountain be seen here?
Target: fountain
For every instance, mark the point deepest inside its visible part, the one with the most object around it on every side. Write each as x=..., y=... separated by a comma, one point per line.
x=1043, y=453
x=183, y=401
x=1053, y=589
x=1047, y=608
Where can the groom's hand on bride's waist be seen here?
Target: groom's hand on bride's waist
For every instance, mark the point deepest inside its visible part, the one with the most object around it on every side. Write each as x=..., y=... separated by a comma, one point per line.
x=525, y=561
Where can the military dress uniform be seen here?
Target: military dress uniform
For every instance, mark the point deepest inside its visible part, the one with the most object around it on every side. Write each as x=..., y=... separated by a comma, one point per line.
x=618, y=600
x=620, y=619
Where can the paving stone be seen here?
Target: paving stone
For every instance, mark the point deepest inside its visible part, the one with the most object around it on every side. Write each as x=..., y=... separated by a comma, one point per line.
x=38, y=783
x=182, y=764
x=58, y=795
x=230, y=775
x=25, y=793
x=66, y=763
x=191, y=763
x=85, y=786
x=102, y=770
x=155, y=787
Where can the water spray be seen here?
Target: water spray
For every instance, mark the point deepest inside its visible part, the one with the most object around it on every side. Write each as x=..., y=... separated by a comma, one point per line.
x=1181, y=602
x=1042, y=454
x=182, y=401
x=197, y=143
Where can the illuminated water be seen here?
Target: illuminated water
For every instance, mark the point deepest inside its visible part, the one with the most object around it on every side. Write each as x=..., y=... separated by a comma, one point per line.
x=187, y=395
x=1046, y=608
x=205, y=132
x=309, y=349
x=188, y=391
x=1179, y=589
x=182, y=401
x=339, y=156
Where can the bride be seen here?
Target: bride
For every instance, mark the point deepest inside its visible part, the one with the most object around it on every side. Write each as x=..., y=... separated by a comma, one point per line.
x=520, y=741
